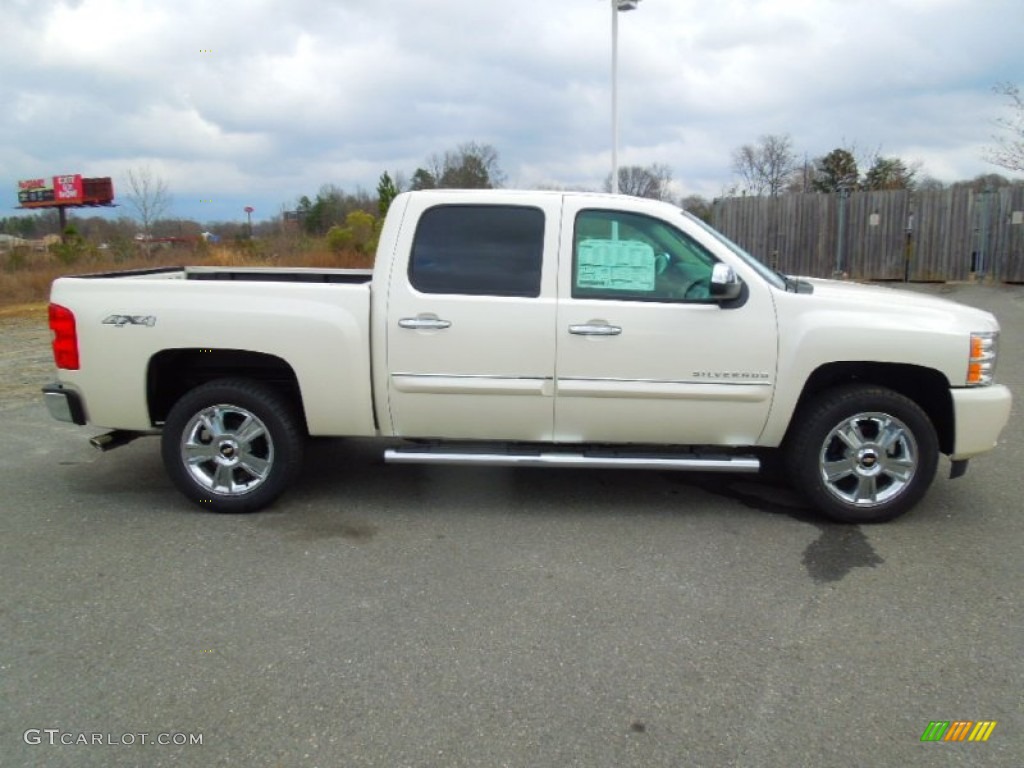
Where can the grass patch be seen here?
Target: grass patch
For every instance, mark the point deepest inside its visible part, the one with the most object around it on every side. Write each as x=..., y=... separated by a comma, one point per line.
x=36, y=309
x=25, y=278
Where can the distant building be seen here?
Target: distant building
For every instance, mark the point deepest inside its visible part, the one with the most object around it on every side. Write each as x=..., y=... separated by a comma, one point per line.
x=7, y=242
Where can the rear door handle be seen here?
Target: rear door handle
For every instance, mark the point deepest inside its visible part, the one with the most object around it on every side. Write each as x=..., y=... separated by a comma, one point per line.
x=595, y=329
x=424, y=323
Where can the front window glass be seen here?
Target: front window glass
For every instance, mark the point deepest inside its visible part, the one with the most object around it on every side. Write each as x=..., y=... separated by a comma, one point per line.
x=628, y=256
x=766, y=272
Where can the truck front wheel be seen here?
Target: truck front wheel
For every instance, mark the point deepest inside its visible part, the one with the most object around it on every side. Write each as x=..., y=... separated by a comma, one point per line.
x=862, y=454
x=232, y=445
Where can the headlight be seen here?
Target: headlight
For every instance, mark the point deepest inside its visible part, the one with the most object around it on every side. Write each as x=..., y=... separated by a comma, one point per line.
x=981, y=367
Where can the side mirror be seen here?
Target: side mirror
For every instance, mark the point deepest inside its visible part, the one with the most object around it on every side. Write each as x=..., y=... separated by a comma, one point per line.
x=725, y=285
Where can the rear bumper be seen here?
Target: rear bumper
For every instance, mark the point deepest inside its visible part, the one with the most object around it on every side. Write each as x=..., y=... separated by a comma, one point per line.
x=980, y=413
x=64, y=404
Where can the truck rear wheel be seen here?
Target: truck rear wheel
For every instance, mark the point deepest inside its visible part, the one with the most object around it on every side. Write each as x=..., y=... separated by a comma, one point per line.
x=232, y=445
x=862, y=454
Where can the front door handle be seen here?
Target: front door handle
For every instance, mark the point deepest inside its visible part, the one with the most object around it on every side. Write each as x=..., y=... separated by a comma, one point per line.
x=595, y=329
x=424, y=323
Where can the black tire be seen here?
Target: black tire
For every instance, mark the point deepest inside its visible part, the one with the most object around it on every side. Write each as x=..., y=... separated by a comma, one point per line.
x=232, y=445
x=873, y=482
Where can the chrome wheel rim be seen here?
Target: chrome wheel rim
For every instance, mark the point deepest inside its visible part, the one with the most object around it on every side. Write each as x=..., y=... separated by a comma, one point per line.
x=868, y=459
x=227, y=450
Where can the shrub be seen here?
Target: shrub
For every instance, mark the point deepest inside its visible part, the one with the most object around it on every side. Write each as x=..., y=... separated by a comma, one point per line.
x=338, y=239
x=358, y=234
x=17, y=258
x=72, y=248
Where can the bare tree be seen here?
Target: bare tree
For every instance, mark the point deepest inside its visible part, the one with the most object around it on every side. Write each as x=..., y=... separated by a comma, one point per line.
x=698, y=205
x=468, y=166
x=423, y=179
x=930, y=184
x=745, y=165
x=1009, y=149
x=473, y=165
x=765, y=167
x=148, y=197
x=986, y=181
x=802, y=178
x=651, y=181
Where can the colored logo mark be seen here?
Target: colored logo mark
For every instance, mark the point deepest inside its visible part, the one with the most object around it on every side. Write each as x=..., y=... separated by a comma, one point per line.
x=958, y=730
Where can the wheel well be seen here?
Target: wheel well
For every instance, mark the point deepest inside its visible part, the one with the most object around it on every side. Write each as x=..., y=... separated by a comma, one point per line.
x=174, y=372
x=925, y=386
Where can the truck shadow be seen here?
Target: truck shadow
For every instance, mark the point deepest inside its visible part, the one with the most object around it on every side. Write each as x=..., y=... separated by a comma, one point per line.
x=354, y=470
x=342, y=477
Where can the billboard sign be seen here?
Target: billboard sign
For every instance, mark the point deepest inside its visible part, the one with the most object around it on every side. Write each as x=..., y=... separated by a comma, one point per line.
x=35, y=191
x=58, y=190
x=68, y=189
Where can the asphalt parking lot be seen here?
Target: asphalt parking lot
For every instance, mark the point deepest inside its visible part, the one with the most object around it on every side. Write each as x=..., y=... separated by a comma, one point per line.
x=408, y=616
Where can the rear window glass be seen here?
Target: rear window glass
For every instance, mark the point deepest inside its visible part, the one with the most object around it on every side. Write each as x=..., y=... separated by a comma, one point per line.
x=489, y=250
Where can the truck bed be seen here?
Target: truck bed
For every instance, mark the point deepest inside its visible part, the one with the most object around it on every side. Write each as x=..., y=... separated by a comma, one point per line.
x=315, y=323
x=251, y=274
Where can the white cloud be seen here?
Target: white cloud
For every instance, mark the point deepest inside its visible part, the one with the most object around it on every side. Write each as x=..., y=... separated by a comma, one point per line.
x=274, y=99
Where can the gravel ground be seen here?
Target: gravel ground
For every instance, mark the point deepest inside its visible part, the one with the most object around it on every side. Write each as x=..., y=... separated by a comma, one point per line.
x=26, y=362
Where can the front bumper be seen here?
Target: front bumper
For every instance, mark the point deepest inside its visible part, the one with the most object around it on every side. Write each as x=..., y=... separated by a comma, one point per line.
x=980, y=414
x=64, y=404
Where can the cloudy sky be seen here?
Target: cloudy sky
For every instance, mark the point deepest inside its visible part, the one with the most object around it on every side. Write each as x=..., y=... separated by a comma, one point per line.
x=256, y=102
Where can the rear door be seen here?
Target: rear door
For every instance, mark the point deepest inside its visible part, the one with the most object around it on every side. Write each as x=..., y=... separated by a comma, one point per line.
x=471, y=318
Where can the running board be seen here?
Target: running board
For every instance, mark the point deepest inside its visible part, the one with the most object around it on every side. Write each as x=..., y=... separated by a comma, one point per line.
x=693, y=462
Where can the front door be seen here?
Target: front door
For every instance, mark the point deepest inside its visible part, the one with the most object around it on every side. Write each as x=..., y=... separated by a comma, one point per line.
x=645, y=354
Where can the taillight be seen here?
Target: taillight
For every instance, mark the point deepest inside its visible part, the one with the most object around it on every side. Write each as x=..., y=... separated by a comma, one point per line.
x=65, y=337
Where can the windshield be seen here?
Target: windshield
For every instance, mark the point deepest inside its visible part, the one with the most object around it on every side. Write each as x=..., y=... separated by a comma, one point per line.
x=773, y=277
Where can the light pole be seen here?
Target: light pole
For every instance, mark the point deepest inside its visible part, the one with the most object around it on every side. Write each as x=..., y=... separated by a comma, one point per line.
x=846, y=184
x=617, y=5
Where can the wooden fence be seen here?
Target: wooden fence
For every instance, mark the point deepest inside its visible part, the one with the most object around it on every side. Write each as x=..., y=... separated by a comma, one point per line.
x=954, y=234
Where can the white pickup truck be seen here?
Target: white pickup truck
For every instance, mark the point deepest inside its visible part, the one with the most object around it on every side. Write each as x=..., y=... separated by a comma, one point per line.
x=533, y=329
